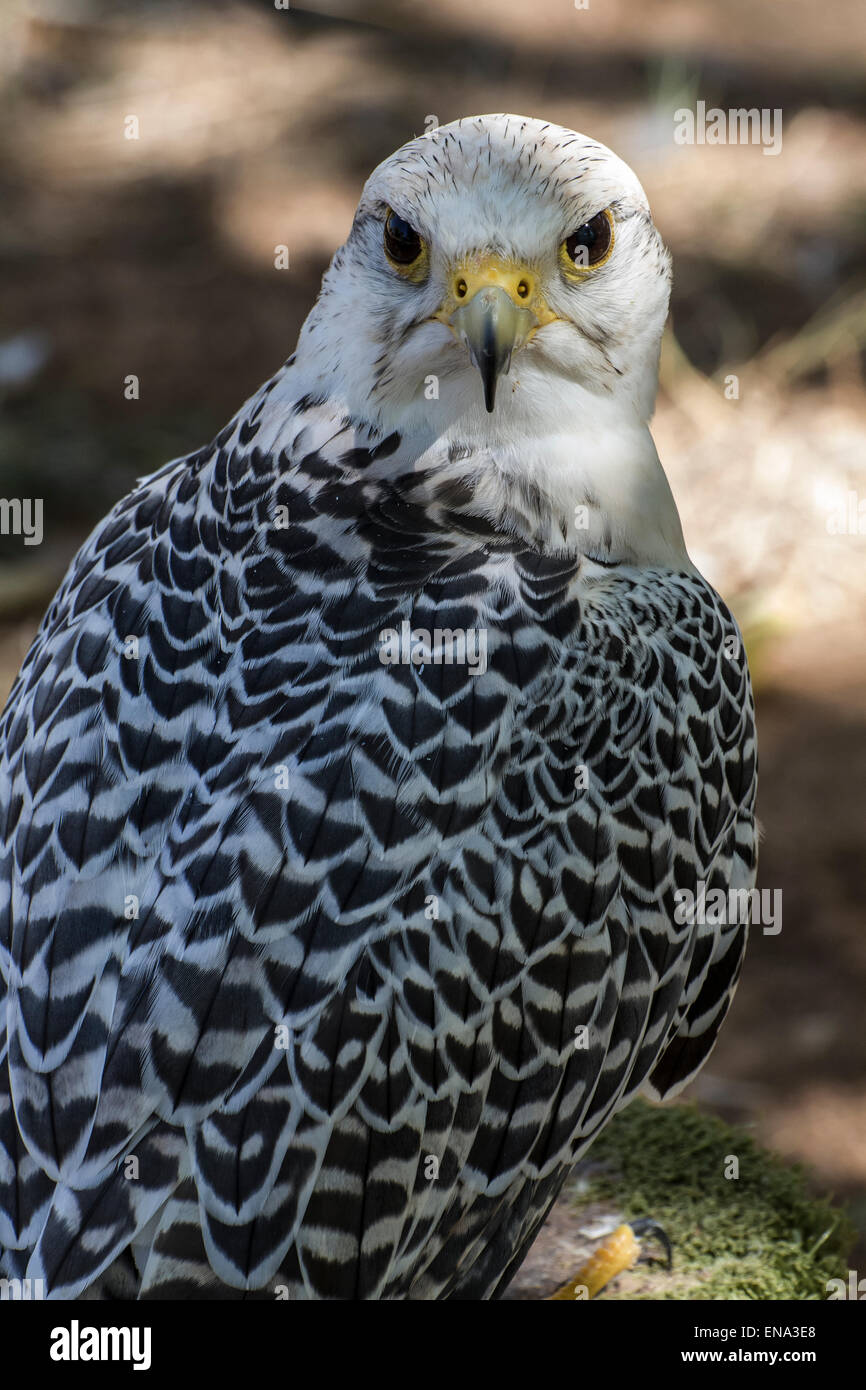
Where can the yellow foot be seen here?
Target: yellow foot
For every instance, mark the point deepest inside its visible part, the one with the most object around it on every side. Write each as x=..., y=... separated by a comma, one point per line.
x=617, y=1252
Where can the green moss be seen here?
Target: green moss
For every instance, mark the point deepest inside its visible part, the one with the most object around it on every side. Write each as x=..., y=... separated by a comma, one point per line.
x=761, y=1235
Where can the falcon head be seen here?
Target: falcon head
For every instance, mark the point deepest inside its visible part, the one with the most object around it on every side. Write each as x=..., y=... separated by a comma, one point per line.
x=492, y=264
x=498, y=306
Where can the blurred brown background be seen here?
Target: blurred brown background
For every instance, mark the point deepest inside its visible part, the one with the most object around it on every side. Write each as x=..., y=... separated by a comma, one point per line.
x=257, y=127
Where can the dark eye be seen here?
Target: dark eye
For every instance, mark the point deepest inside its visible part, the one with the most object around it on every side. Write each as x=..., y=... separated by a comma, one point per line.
x=402, y=243
x=591, y=242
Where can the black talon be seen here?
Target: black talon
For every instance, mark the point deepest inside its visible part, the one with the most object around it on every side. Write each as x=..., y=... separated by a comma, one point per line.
x=646, y=1226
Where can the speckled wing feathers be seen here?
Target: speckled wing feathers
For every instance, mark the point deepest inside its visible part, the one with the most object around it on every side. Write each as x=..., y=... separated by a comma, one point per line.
x=221, y=815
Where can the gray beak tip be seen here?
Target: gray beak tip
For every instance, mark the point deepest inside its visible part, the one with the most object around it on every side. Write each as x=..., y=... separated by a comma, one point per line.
x=491, y=326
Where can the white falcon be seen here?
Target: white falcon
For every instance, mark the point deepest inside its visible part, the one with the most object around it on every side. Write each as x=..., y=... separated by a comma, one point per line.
x=352, y=782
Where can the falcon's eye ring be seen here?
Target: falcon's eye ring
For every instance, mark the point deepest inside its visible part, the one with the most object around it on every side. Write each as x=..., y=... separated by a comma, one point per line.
x=590, y=245
x=403, y=245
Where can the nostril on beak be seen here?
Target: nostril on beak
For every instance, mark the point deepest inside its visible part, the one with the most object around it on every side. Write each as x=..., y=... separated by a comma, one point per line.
x=460, y=289
x=523, y=289
x=492, y=325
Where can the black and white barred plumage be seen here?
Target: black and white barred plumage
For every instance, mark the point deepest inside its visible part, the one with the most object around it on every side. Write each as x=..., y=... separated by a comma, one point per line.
x=295, y=942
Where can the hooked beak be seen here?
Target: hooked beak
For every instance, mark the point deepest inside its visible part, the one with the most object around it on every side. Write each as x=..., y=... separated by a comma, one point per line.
x=492, y=326
x=493, y=308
